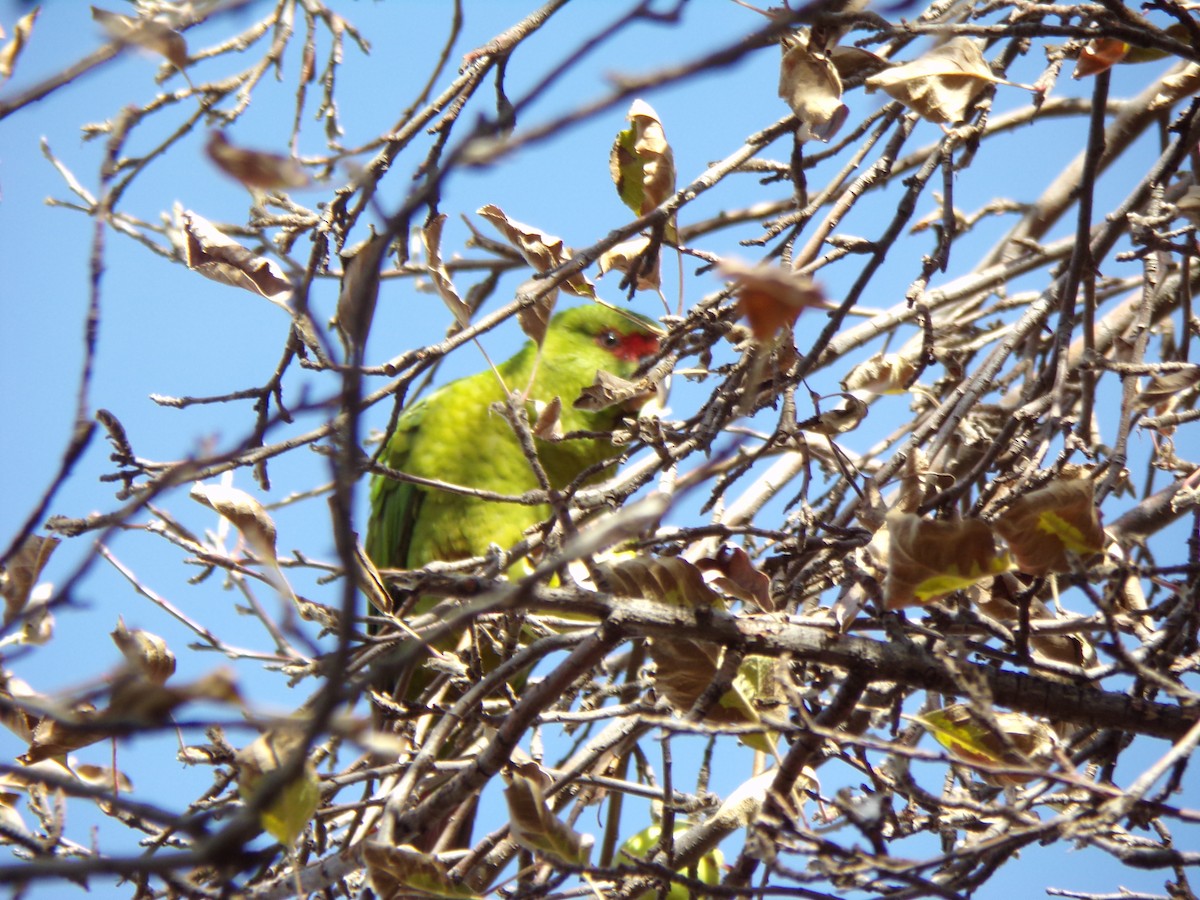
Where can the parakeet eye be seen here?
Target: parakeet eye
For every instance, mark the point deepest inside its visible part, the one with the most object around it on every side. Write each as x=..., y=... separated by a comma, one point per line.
x=608, y=339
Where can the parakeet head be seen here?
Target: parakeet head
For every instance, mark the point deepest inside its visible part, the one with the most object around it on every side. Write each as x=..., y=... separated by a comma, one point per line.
x=610, y=339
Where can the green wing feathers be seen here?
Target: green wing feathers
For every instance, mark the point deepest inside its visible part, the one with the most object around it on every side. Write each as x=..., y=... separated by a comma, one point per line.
x=395, y=505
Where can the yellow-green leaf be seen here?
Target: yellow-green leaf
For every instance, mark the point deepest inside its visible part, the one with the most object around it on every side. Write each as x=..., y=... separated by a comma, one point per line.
x=708, y=869
x=1019, y=741
x=1053, y=527
x=534, y=826
x=642, y=163
x=405, y=871
x=292, y=808
x=930, y=559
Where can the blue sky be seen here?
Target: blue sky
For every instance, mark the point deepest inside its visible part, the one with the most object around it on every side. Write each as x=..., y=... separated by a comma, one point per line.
x=167, y=331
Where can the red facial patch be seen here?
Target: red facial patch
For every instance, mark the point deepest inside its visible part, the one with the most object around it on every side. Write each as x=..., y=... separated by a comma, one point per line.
x=630, y=347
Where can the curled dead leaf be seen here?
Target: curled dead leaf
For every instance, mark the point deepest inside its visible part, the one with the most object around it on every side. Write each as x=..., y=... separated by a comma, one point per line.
x=810, y=84
x=11, y=823
x=11, y=51
x=245, y=513
x=534, y=317
x=854, y=63
x=533, y=824
x=732, y=571
x=882, y=374
x=255, y=169
x=1162, y=389
x=359, y=291
x=212, y=254
x=405, y=871
x=669, y=579
x=942, y=84
x=17, y=711
x=431, y=237
x=769, y=297
x=136, y=698
x=146, y=652
x=19, y=577
x=642, y=163
x=103, y=777
x=548, y=425
x=149, y=34
x=837, y=421
x=610, y=390
x=1071, y=649
x=685, y=670
x=1102, y=53
x=1050, y=528
x=62, y=733
x=1098, y=55
x=931, y=559
x=622, y=257
x=542, y=251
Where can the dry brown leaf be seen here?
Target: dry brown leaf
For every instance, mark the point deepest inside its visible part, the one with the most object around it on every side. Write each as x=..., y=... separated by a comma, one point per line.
x=11, y=823
x=685, y=669
x=942, y=84
x=1189, y=204
x=534, y=318
x=1048, y=529
x=837, y=421
x=642, y=164
x=18, y=578
x=930, y=559
x=104, y=777
x=223, y=259
x=882, y=374
x=63, y=733
x=769, y=297
x=245, y=513
x=146, y=652
x=534, y=826
x=810, y=84
x=612, y=390
x=668, y=579
x=1071, y=649
x=852, y=62
x=1020, y=741
x=399, y=873
x=1099, y=55
x=135, y=698
x=431, y=237
x=1162, y=389
x=11, y=51
x=542, y=251
x=16, y=693
x=359, y=290
x=548, y=424
x=149, y=34
x=917, y=482
x=732, y=571
x=255, y=169
x=621, y=259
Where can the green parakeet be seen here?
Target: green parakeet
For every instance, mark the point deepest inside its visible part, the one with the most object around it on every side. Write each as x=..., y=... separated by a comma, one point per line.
x=455, y=436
